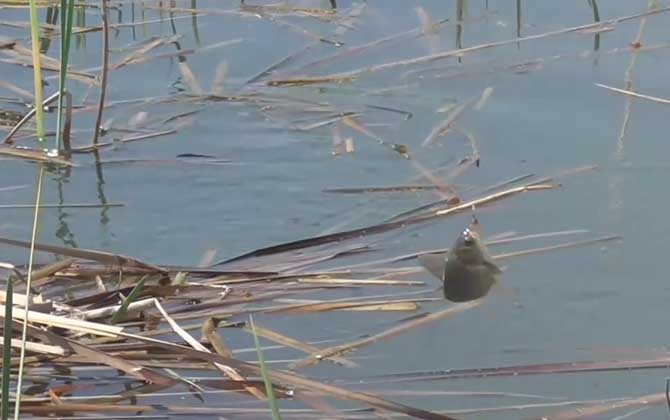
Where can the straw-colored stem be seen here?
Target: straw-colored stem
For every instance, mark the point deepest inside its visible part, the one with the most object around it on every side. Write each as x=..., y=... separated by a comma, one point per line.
x=31, y=259
x=37, y=69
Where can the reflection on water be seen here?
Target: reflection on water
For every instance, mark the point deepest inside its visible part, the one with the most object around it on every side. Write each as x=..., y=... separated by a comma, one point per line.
x=460, y=17
x=518, y=21
x=63, y=231
x=80, y=21
x=596, y=18
x=628, y=83
x=132, y=20
x=51, y=18
x=100, y=187
x=194, y=24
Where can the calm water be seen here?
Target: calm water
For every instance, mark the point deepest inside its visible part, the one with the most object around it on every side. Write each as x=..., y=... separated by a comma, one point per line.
x=545, y=115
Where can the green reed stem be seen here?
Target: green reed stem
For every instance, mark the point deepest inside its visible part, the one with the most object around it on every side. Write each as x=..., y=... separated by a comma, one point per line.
x=269, y=390
x=132, y=296
x=37, y=70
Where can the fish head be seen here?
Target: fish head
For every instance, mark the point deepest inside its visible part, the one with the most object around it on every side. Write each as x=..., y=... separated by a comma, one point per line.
x=469, y=248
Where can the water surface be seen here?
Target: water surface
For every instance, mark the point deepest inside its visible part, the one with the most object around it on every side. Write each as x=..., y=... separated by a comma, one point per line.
x=545, y=115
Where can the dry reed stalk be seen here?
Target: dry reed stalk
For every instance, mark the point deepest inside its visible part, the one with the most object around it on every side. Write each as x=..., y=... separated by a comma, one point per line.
x=356, y=50
x=361, y=282
x=33, y=155
x=394, y=224
x=634, y=94
x=354, y=74
x=305, y=81
x=87, y=254
x=604, y=408
x=301, y=306
x=495, y=197
x=296, y=344
x=445, y=125
x=137, y=306
x=39, y=347
x=65, y=323
x=556, y=247
x=228, y=370
x=298, y=381
x=20, y=299
x=154, y=43
x=398, y=329
x=211, y=334
x=443, y=189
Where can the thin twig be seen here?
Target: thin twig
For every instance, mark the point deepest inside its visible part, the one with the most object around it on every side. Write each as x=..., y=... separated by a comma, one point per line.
x=27, y=117
x=31, y=260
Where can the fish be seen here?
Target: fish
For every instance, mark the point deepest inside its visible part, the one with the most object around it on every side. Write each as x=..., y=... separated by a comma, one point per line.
x=467, y=269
